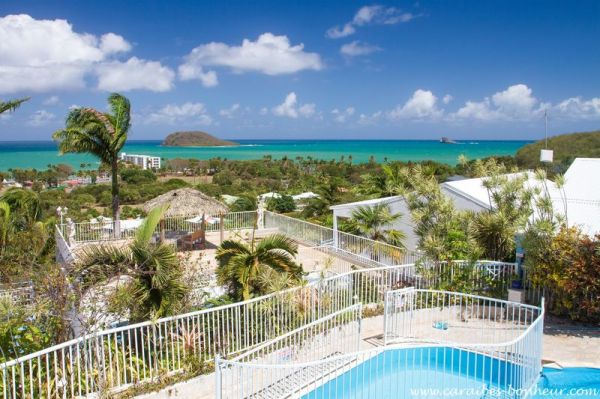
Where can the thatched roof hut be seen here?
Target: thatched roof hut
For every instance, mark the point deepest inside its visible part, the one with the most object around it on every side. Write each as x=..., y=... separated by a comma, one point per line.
x=187, y=202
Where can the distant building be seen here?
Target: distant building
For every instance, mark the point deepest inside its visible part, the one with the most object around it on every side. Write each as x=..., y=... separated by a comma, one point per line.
x=143, y=161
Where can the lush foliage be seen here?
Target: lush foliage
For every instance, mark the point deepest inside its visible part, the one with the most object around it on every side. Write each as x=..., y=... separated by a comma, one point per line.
x=241, y=265
x=283, y=204
x=567, y=267
x=374, y=222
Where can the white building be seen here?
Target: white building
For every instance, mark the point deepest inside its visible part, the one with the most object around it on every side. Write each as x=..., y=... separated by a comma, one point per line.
x=579, y=200
x=143, y=161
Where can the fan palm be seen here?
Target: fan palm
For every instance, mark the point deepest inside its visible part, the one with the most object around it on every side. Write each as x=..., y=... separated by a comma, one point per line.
x=157, y=287
x=100, y=134
x=240, y=264
x=11, y=105
x=374, y=221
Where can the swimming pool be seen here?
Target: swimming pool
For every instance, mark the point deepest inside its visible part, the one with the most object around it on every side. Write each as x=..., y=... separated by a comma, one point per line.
x=570, y=382
x=423, y=372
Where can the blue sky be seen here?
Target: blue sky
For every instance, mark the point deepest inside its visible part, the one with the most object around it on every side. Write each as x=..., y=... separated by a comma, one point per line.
x=306, y=69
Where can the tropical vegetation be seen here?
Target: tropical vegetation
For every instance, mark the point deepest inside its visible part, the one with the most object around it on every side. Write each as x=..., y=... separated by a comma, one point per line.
x=243, y=266
x=100, y=134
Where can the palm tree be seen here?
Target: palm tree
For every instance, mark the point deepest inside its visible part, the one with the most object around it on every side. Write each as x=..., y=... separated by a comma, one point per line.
x=241, y=264
x=11, y=105
x=25, y=206
x=101, y=134
x=158, y=285
x=374, y=221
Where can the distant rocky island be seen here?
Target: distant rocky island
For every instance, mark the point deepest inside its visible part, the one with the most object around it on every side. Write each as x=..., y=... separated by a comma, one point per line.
x=195, y=139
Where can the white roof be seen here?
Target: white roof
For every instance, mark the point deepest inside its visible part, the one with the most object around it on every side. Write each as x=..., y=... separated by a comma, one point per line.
x=306, y=195
x=475, y=191
x=582, y=194
x=371, y=202
x=269, y=195
x=581, y=179
x=582, y=191
x=229, y=199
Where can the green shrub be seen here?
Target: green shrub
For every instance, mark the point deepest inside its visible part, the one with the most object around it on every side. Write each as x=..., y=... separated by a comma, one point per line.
x=283, y=204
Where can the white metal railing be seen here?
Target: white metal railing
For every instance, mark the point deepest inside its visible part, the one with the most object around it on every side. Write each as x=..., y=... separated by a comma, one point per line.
x=361, y=248
x=326, y=337
x=106, y=230
x=483, y=276
x=119, y=357
x=473, y=362
x=453, y=317
x=335, y=333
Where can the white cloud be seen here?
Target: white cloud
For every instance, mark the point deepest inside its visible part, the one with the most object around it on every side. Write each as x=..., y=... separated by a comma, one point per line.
x=342, y=116
x=230, y=112
x=188, y=112
x=365, y=119
x=111, y=43
x=515, y=103
x=356, y=48
x=307, y=110
x=269, y=54
x=337, y=31
x=43, y=55
x=264, y=111
x=52, y=100
x=370, y=15
x=447, y=99
x=289, y=108
x=134, y=74
x=577, y=108
x=422, y=105
x=189, y=71
x=40, y=118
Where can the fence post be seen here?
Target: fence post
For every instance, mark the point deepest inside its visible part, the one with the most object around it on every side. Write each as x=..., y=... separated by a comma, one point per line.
x=218, y=376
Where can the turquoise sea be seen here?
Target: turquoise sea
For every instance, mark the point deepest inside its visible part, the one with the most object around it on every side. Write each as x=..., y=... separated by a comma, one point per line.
x=38, y=154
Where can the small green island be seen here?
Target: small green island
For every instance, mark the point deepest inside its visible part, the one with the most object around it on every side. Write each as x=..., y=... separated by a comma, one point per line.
x=195, y=139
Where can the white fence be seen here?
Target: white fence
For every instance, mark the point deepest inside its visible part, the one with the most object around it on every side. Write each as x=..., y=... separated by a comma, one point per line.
x=360, y=249
x=117, y=358
x=107, y=231
x=498, y=355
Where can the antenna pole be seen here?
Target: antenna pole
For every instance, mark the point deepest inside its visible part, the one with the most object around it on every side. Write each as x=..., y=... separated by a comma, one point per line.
x=546, y=127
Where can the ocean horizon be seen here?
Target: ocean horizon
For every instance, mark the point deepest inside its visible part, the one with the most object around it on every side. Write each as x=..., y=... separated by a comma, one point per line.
x=39, y=154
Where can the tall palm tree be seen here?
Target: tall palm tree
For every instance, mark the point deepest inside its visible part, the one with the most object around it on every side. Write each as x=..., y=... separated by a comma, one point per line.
x=158, y=285
x=374, y=222
x=11, y=105
x=240, y=264
x=100, y=134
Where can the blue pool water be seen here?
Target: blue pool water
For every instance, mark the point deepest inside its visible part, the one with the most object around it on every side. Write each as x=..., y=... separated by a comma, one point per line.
x=437, y=372
x=421, y=373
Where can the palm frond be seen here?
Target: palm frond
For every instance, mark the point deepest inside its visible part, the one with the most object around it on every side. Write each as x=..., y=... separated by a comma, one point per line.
x=145, y=232
x=12, y=105
x=277, y=242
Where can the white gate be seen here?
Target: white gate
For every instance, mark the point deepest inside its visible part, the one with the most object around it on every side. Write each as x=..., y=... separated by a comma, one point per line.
x=398, y=314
